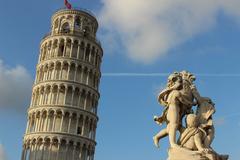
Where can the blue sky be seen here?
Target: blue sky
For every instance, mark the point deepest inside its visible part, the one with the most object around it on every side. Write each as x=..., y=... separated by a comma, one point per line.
x=137, y=37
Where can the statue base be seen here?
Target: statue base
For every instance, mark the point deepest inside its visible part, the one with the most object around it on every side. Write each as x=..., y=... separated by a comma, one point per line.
x=185, y=154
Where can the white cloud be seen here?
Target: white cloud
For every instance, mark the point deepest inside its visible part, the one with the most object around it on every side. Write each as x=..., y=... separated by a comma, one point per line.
x=149, y=29
x=15, y=87
x=3, y=155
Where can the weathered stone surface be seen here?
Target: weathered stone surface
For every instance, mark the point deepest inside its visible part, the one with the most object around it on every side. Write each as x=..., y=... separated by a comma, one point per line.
x=185, y=154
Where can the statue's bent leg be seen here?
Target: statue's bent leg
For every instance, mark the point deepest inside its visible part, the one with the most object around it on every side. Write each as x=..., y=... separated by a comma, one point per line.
x=163, y=133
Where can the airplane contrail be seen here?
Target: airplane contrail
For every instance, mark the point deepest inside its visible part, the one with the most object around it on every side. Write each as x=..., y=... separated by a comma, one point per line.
x=166, y=74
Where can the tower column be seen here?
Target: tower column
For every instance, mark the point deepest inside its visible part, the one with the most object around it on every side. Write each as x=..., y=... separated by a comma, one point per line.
x=51, y=95
x=68, y=72
x=58, y=149
x=54, y=121
x=40, y=122
x=50, y=149
x=73, y=91
x=65, y=48
x=66, y=150
x=65, y=95
x=57, y=98
x=61, y=72
x=35, y=128
x=61, y=125
x=74, y=150
x=81, y=76
x=81, y=152
x=36, y=150
x=83, y=126
x=48, y=126
x=27, y=128
x=69, y=123
x=90, y=54
x=47, y=122
x=23, y=153
x=87, y=81
x=76, y=130
x=84, y=53
x=75, y=74
x=78, y=50
x=71, y=50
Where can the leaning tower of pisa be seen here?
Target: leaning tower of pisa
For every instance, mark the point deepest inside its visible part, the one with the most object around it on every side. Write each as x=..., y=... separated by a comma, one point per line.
x=62, y=117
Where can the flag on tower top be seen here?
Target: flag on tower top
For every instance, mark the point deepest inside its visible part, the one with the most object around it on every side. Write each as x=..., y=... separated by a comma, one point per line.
x=67, y=4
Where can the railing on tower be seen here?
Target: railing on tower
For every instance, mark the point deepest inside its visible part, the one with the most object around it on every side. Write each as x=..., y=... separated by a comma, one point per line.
x=78, y=9
x=76, y=33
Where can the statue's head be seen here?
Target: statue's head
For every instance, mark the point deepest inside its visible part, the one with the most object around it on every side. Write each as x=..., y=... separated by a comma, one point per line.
x=206, y=109
x=188, y=76
x=192, y=120
x=173, y=78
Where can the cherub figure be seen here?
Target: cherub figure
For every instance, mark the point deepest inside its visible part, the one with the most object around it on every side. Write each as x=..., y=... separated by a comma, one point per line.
x=193, y=136
x=178, y=100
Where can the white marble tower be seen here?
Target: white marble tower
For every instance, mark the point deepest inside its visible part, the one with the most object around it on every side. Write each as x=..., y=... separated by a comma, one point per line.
x=62, y=117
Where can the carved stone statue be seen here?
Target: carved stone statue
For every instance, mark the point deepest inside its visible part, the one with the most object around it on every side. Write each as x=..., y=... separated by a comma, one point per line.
x=193, y=136
x=194, y=142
